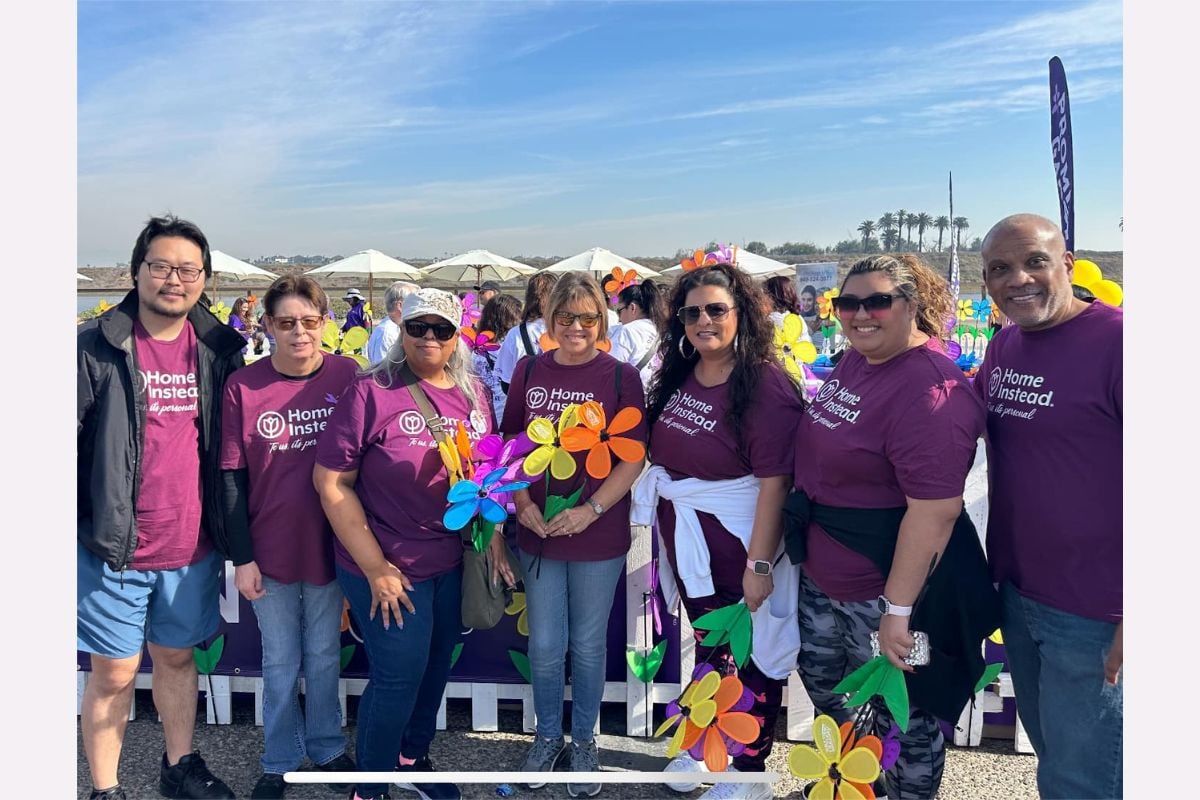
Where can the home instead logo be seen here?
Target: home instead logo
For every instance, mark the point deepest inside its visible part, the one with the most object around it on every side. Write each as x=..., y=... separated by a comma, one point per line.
x=536, y=397
x=411, y=423
x=298, y=422
x=828, y=389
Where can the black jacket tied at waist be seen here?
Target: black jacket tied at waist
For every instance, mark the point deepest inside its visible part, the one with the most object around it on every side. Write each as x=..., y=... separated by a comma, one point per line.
x=958, y=608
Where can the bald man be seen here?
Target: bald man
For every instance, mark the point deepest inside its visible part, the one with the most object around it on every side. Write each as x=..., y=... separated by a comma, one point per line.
x=1052, y=385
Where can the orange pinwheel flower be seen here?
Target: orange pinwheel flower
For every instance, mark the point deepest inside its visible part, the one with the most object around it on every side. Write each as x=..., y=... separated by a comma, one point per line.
x=619, y=280
x=599, y=438
x=707, y=717
x=699, y=259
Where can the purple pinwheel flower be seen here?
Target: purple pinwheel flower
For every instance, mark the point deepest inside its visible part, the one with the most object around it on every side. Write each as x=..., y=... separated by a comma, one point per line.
x=493, y=453
x=722, y=255
x=735, y=748
x=891, y=749
x=953, y=349
x=469, y=499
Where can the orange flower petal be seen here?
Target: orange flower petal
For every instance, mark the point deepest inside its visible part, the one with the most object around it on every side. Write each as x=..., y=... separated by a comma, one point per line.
x=591, y=415
x=575, y=440
x=873, y=744
x=739, y=726
x=627, y=449
x=728, y=693
x=716, y=757
x=691, y=735
x=599, y=462
x=625, y=420
x=847, y=731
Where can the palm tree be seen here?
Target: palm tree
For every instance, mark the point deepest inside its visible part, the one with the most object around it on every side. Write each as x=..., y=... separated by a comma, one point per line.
x=901, y=218
x=889, y=239
x=866, y=228
x=961, y=224
x=909, y=221
x=923, y=222
x=886, y=223
x=941, y=223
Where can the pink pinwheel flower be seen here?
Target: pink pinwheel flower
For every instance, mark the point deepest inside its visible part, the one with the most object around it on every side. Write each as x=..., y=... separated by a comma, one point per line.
x=479, y=341
x=721, y=255
x=493, y=453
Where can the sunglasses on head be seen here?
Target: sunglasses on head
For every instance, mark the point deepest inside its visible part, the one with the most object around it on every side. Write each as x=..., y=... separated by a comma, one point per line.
x=847, y=305
x=567, y=319
x=442, y=331
x=287, y=323
x=690, y=315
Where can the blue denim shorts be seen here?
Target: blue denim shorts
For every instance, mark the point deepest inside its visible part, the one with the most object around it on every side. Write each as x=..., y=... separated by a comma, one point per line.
x=117, y=612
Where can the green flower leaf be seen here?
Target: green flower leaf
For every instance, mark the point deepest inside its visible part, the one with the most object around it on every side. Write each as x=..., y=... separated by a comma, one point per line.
x=645, y=667
x=557, y=503
x=895, y=694
x=455, y=653
x=346, y=654
x=989, y=674
x=857, y=679
x=521, y=662
x=719, y=619
x=481, y=533
x=207, y=658
x=873, y=685
x=739, y=639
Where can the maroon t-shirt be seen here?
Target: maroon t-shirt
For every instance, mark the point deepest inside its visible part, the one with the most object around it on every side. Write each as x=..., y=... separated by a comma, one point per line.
x=168, y=503
x=551, y=388
x=874, y=435
x=693, y=438
x=402, y=481
x=1054, y=428
x=270, y=426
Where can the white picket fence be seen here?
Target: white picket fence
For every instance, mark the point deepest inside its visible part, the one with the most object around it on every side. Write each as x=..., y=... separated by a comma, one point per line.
x=638, y=698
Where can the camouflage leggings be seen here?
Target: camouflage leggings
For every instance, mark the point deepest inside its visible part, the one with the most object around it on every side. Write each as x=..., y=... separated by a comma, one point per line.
x=768, y=692
x=835, y=640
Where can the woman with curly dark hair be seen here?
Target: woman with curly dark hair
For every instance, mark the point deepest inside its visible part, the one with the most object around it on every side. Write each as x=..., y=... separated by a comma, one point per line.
x=882, y=457
x=720, y=472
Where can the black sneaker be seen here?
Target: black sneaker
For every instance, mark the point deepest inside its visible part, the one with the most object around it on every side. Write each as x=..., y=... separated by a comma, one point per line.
x=427, y=791
x=270, y=786
x=191, y=780
x=112, y=793
x=342, y=763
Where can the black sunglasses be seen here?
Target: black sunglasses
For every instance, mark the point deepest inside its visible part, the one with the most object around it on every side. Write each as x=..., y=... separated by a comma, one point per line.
x=442, y=331
x=848, y=304
x=690, y=315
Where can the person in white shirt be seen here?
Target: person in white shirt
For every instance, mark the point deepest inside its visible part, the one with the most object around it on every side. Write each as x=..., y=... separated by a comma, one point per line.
x=500, y=315
x=522, y=340
x=642, y=311
x=386, y=332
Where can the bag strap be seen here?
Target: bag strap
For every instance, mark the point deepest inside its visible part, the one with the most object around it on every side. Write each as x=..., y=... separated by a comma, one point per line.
x=644, y=360
x=433, y=420
x=524, y=330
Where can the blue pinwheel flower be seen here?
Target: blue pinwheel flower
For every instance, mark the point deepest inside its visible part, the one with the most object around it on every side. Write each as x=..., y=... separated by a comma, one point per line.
x=966, y=361
x=469, y=499
x=981, y=309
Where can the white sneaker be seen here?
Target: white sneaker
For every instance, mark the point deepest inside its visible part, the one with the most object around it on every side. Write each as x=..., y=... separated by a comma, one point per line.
x=738, y=791
x=684, y=763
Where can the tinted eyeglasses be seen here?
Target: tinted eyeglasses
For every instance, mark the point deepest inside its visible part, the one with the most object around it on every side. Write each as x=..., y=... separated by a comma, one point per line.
x=187, y=272
x=567, y=319
x=690, y=315
x=442, y=331
x=287, y=323
x=847, y=305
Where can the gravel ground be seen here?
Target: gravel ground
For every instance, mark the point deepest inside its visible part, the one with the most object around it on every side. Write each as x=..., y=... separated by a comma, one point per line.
x=232, y=752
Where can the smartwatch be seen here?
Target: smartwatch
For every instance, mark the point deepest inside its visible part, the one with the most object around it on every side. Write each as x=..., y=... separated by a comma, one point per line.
x=595, y=506
x=758, y=567
x=888, y=607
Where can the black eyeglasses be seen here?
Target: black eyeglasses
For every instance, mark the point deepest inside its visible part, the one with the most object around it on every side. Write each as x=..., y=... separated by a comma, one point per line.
x=442, y=331
x=287, y=323
x=187, y=273
x=567, y=319
x=847, y=305
x=690, y=315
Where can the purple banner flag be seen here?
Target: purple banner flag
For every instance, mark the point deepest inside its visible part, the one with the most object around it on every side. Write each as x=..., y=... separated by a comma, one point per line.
x=1060, y=149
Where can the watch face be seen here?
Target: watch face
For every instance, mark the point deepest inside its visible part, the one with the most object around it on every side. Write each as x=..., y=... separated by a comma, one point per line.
x=882, y=604
x=762, y=568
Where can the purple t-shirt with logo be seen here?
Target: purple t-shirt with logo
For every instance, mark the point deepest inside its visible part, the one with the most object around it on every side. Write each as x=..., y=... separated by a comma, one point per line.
x=402, y=481
x=874, y=435
x=1054, y=461
x=551, y=388
x=693, y=438
x=168, y=503
x=270, y=426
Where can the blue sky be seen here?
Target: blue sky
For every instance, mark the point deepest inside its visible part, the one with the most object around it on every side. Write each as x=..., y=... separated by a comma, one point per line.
x=548, y=128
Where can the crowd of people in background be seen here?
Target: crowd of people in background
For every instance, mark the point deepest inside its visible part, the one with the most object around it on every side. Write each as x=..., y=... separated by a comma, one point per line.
x=837, y=520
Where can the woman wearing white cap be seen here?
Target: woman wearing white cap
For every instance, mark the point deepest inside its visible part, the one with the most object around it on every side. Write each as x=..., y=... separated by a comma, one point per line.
x=383, y=486
x=357, y=315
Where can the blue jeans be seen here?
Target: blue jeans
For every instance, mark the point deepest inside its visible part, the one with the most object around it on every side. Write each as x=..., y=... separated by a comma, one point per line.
x=569, y=603
x=408, y=667
x=1073, y=718
x=300, y=625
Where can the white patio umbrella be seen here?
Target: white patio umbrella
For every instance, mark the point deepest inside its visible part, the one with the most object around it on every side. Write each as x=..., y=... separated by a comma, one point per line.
x=599, y=260
x=225, y=264
x=476, y=266
x=752, y=264
x=370, y=264
x=79, y=276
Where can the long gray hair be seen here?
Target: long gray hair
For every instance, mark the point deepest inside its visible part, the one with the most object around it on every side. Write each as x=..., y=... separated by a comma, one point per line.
x=461, y=368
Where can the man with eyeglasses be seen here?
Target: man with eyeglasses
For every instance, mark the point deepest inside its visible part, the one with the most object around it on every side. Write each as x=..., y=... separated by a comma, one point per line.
x=151, y=536
x=1052, y=383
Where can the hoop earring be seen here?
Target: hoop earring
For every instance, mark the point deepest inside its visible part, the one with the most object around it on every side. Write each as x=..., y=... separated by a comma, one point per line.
x=735, y=341
x=686, y=357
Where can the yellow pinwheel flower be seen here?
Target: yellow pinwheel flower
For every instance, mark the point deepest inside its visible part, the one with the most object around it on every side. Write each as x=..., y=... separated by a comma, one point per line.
x=791, y=347
x=550, y=452
x=519, y=606
x=996, y=637
x=966, y=310
x=221, y=311
x=696, y=711
x=841, y=777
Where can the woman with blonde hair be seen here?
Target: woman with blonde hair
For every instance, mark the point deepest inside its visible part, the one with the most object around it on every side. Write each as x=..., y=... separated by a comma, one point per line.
x=573, y=559
x=877, y=517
